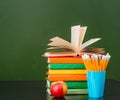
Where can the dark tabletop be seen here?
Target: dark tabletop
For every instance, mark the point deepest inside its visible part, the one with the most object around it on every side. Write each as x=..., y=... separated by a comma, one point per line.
x=36, y=90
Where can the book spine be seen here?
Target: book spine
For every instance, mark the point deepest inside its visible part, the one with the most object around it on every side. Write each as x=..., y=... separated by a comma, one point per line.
x=67, y=60
x=77, y=91
x=74, y=84
x=66, y=66
x=67, y=77
x=66, y=72
x=73, y=91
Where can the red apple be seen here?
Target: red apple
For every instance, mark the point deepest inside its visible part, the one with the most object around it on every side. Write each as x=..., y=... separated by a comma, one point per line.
x=58, y=89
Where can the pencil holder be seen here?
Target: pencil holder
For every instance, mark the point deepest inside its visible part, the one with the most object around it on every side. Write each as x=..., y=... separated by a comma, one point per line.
x=96, y=83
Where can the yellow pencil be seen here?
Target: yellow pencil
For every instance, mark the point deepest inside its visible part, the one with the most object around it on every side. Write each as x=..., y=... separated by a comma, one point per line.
x=101, y=64
x=86, y=64
x=96, y=62
x=106, y=64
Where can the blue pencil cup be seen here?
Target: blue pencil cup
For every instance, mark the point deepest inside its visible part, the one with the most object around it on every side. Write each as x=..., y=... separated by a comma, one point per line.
x=96, y=83
x=101, y=98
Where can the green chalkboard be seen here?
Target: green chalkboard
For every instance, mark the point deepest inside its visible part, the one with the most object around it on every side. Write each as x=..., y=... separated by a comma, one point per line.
x=27, y=25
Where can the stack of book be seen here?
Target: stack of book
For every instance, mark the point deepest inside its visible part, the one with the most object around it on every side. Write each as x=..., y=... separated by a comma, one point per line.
x=71, y=70
x=65, y=62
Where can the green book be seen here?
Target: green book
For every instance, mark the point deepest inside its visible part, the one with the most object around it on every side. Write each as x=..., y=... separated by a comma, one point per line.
x=66, y=66
x=73, y=84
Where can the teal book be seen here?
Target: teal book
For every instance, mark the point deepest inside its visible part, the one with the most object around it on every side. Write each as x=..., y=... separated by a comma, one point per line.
x=73, y=84
x=66, y=66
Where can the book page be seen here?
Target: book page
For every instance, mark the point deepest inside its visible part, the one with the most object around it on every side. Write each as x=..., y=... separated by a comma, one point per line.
x=82, y=34
x=75, y=35
x=61, y=43
x=89, y=42
x=59, y=54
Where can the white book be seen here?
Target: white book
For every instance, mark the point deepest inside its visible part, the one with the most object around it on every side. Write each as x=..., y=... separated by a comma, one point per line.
x=73, y=91
x=61, y=47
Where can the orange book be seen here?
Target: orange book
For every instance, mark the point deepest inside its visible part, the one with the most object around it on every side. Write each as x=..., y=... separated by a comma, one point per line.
x=66, y=60
x=67, y=77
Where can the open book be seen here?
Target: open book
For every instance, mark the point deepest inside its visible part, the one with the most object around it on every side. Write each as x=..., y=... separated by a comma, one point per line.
x=61, y=47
